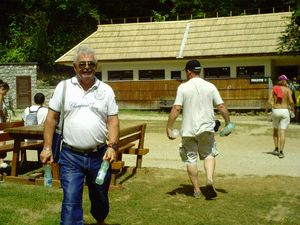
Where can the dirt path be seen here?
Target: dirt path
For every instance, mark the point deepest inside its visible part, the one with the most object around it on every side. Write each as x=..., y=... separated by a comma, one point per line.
x=244, y=152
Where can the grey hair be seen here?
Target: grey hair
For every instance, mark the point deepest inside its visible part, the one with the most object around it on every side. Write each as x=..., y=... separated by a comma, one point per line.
x=84, y=50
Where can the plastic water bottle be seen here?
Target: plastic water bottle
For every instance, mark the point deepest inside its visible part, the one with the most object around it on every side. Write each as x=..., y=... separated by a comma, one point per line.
x=102, y=172
x=175, y=133
x=228, y=129
x=47, y=175
x=292, y=114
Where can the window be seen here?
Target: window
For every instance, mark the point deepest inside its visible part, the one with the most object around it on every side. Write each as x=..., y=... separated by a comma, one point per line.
x=176, y=75
x=217, y=72
x=120, y=75
x=249, y=71
x=151, y=74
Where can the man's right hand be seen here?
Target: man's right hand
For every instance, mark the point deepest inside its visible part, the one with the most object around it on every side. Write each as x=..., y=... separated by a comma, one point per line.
x=169, y=133
x=46, y=155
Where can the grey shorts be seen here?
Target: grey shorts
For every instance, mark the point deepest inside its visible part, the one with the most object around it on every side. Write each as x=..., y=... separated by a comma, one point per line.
x=203, y=145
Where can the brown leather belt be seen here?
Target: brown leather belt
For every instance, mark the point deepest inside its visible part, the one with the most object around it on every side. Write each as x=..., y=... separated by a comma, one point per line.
x=89, y=150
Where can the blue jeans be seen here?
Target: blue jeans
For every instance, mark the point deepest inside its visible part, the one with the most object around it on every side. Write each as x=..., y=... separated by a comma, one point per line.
x=75, y=169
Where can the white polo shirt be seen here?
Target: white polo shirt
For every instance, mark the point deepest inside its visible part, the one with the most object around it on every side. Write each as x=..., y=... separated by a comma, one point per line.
x=198, y=98
x=86, y=112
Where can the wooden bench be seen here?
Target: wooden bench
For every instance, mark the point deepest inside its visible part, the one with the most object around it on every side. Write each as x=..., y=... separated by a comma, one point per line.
x=165, y=105
x=131, y=142
x=7, y=144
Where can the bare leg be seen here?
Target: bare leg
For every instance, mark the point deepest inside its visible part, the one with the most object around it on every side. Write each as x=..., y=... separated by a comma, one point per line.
x=209, y=167
x=193, y=175
x=282, y=139
x=275, y=137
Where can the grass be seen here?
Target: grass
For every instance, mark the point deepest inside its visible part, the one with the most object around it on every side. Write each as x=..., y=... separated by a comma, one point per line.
x=164, y=196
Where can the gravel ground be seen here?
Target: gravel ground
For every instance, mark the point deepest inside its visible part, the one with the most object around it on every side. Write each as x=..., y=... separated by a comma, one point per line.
x=245, y=152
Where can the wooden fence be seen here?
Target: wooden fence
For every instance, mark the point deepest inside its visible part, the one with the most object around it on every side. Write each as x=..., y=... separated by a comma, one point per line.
x=239, y=94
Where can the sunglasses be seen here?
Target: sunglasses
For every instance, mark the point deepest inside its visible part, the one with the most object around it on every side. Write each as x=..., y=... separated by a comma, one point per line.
x=83, y=64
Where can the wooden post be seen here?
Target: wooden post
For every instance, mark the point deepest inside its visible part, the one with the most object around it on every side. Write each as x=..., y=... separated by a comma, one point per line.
x=55, y=171
x=15, y=159
x=139, y=161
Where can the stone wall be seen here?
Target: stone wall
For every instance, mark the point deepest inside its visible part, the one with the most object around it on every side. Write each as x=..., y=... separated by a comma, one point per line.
x=9, y=72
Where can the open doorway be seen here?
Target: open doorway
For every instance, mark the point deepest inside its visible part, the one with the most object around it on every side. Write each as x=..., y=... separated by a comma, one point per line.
x=289, y=71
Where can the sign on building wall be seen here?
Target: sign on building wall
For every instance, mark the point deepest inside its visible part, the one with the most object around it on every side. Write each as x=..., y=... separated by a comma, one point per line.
x=259, y=80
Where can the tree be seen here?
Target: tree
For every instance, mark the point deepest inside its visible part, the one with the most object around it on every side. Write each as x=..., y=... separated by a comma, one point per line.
x=290, y=41
x=42, y=30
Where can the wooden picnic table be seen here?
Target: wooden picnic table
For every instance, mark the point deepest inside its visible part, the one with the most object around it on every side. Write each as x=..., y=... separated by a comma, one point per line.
x=128, y=137
x=26, y=132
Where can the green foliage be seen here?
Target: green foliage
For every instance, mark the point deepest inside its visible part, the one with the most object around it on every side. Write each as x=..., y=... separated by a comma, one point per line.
x=290, y=41
x=158, y=17
x=42, y=30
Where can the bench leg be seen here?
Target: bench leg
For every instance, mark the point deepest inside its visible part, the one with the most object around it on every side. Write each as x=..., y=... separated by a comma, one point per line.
x=139, y=161
x=23, y=156
x=15, y=158
x=113, y=180
x=55, y=171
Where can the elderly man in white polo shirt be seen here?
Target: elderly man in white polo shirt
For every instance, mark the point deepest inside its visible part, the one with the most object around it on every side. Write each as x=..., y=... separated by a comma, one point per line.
x=90, y=118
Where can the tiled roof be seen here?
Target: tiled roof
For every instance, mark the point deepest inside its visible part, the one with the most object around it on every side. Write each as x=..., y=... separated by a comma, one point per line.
x=222, y=36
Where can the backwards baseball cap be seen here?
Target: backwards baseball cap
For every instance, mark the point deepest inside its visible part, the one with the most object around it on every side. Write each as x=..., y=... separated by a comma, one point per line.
x=193, y=65
x=282, y=77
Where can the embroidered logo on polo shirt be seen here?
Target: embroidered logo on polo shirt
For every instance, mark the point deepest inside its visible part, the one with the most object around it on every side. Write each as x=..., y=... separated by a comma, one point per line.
x=99, y=94
x=74, y=105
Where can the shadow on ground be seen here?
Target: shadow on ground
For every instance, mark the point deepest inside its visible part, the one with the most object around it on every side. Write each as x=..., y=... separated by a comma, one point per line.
x=188, y=191
x=25, y=168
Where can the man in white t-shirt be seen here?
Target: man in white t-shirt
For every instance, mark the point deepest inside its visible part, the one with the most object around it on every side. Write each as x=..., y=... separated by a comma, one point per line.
x=90, y=135
x=38, y=108
x=35, y=114
x=197, y=99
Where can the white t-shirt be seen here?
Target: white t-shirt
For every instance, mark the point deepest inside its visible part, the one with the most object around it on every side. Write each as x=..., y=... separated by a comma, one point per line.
x=85, y=112
x=41, y=113
x=198, y=98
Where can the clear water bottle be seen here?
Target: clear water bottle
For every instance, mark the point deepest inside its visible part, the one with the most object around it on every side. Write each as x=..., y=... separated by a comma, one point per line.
x=47, y=175
x=175, y=133
x=102, y=172
x=228, y=129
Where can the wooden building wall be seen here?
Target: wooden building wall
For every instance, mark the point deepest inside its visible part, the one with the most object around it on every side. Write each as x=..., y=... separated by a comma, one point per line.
x=242, y=94
x=236, y=93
